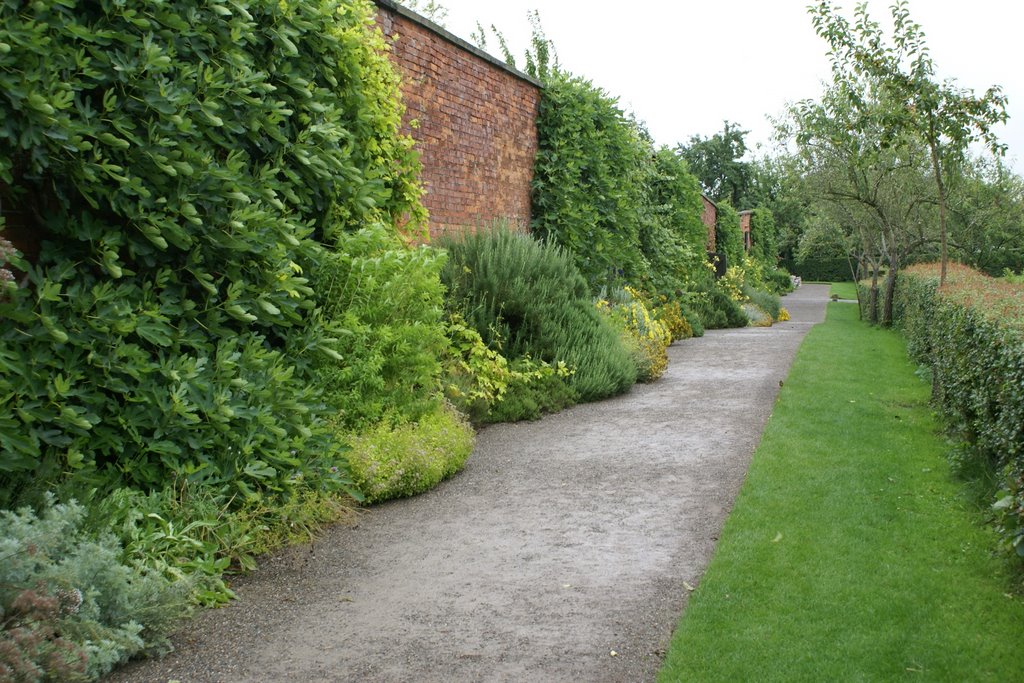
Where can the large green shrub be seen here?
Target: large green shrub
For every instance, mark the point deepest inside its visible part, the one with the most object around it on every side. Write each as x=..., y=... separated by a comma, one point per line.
x=185, y=162
x=626, y=212
x=385, y=304
x=673, y=236
x=764, y=238
x=526, y=298
x=971, y=334
x=717, y=310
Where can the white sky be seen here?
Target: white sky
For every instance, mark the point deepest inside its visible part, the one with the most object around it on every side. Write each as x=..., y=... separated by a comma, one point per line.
x=684, y=67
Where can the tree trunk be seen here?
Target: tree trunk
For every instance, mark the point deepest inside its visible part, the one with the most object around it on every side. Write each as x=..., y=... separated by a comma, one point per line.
x=855, y=271
x=873, y=295
x=933, y=147
x=890, y=291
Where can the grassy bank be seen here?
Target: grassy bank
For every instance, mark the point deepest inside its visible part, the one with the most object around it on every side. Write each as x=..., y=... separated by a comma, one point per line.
x=850, y=554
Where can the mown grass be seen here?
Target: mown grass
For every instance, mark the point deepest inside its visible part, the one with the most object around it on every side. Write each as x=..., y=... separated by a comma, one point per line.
x=844, y=290
x=850, y=554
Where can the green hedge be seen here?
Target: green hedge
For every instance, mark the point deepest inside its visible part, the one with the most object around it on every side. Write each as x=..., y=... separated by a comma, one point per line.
x=187, y=162
x=971, y=334
x=822, y=268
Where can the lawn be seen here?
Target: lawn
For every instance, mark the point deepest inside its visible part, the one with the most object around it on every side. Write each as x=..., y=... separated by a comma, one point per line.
x=850, y=554
x=844, y=290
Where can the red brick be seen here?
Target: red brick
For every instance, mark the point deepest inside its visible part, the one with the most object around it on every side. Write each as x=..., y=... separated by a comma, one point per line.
x=477, y=135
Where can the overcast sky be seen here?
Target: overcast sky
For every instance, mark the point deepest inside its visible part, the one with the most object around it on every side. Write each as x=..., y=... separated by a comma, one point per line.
x=684, y=67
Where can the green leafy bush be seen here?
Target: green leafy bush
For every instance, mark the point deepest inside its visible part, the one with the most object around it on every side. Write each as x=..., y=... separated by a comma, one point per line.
x=766, y=301
x=526, y=298
x=717, y=310
x=535, y=388
x=476, y=378
x=69, y=607
x=185, y=160
x=971, y=334
x=383, y=303
x=779, y=280
x=645, y=336
x=673, y=237
x=764, y=238
x=394, y=460
x=728, y=236
x=484, y=386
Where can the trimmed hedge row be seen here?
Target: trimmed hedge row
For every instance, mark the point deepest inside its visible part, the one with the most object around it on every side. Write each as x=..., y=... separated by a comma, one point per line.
x=971, y=333
x=823, y=268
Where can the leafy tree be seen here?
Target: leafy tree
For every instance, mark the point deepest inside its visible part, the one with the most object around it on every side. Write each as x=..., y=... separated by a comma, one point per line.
x=716, y=161
x=824, y=253
x=987, y=218
x=901, y=78
x=777, y=184
x=430, y=9
x=877, y=194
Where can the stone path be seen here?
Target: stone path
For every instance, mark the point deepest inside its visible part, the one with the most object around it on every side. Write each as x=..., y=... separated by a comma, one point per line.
x=561, y=553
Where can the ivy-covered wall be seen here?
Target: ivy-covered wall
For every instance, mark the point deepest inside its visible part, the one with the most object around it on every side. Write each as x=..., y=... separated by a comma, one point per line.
x=473, y=119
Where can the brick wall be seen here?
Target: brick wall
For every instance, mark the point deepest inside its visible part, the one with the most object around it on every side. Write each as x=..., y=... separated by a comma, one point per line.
x=476, y=135
x=709, y=215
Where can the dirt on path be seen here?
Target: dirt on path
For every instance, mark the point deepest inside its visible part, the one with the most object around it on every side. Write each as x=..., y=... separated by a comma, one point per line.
x=563, y=552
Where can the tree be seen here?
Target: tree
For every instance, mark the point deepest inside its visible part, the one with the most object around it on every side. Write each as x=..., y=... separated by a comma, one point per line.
x=987, y=218
x=944, y=117
x=716, y=161
x=873, y=186
x=430, y=9
x=777, y=185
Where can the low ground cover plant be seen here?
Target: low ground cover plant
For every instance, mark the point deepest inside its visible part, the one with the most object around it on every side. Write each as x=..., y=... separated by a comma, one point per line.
x=850, y=549
x=396, y=459
x=70, y=607
x=970, y=334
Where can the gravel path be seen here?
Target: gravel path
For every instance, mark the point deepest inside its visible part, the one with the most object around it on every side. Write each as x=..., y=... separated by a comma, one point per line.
x=561, y=553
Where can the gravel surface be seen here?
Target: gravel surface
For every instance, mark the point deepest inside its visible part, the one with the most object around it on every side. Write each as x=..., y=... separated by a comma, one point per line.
x=563, y=551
